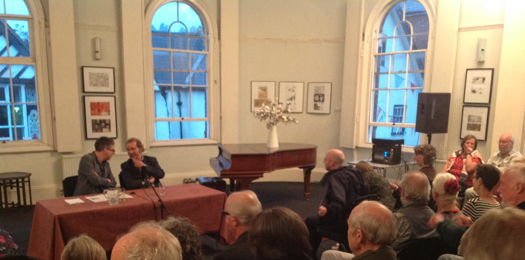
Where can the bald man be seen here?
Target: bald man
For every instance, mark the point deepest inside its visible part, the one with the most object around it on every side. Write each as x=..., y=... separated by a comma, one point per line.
x=371, y=228
x=240, y=209
x=506, y=153
x=344, y=186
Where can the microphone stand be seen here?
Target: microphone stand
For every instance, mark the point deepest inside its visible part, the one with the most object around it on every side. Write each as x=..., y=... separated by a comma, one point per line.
x=162, y=205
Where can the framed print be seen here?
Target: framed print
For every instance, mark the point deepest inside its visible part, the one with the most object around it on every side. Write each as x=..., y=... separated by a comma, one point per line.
x=263, y=92
x=292, y=93
x=474, y=121
x=319, y=97
x=100, y=116
x=478, y=86
x=98, y=79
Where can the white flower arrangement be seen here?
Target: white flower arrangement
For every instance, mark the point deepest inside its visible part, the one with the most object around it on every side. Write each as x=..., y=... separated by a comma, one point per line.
x=273, y=114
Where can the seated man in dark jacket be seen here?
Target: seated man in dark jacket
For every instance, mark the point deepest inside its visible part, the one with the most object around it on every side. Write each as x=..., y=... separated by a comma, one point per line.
x=140, y=171
x=344, y=187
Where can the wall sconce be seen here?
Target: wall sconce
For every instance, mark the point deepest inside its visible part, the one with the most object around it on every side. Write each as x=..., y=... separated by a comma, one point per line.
x=97, y=48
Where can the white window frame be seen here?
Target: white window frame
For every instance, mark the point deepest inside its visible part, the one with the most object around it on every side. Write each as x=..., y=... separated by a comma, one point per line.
x=39, y=59
x=369, y=44
x=213, y=71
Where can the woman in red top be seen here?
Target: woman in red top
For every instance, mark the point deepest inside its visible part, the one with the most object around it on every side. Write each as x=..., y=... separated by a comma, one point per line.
x=462, y=163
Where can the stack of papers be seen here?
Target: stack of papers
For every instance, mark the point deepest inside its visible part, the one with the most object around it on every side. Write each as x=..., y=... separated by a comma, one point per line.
x=74, y=201
x=97, y=198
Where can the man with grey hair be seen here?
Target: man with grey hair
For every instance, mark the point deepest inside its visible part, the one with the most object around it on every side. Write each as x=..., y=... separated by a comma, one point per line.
x=512, y=186
x=240, y=209
x=412, y=217
x=371, y=228
x=147, y=241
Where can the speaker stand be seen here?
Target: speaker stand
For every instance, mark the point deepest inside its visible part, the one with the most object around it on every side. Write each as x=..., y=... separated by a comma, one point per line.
x=429, y=137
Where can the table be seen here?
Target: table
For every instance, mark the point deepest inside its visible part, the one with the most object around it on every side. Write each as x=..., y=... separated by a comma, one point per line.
x=55, y=221
x=16, y=180
x=381, y=168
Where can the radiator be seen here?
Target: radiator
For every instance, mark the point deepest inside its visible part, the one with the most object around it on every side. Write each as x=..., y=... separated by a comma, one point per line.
x=70, y=164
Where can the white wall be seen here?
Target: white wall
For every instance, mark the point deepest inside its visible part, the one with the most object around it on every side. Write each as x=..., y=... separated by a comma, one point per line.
x=278, y=40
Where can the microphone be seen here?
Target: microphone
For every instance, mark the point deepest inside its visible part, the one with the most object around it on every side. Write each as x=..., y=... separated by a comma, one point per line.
x=162, y=205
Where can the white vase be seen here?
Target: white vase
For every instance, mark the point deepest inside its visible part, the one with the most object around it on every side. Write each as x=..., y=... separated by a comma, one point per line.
x=273, y=139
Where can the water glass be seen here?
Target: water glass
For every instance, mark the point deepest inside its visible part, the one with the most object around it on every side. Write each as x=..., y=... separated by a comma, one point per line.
x=113, y=196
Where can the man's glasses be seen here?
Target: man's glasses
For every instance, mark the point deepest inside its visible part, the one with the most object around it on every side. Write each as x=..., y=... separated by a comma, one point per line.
x=224, y=213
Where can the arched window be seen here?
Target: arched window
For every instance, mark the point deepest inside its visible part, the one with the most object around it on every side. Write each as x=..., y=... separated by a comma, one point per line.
x=180, y=42
x=19, y=104
x=398, y=66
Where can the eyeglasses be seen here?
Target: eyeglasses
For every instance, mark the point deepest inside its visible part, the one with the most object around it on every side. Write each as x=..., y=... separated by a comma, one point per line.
x=113, y=150
x=224, y=213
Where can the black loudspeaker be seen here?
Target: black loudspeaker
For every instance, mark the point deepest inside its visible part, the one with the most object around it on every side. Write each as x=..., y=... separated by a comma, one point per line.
x=432, y=112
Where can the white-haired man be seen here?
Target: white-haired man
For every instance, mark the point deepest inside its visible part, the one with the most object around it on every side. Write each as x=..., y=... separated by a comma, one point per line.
x=147, y=241
x=512, y=186
x=371, y=228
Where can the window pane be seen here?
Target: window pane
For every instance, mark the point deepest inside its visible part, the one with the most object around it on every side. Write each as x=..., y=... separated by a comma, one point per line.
x=199, y=102
x=385, y=45
x=161, y=59
x=162, y=77
x=199, y=78
x=5, y=134
x=381, y=81
x=396, y=99
x=400, y=62
x=411, y=113
x=163, y=102
x=420, y=42
x=409, y=135
x=379, y=99
x=24, y=84
x=181, y=96
x=178, y=42
x=382, y=63
x=180, y=61
x=5, y=115
x=159, y=40
x=403, y=28
x=416, y=80
x=398, y=80
x=402, y=43
x=181, y=130
x=199, y=62
x=18, y=38
x=417, y=61
x=181, y=78
x=198, y=44
x=17, y=7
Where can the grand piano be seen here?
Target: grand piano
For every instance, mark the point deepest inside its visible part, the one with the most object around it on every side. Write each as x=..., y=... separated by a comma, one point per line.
x=243, y=163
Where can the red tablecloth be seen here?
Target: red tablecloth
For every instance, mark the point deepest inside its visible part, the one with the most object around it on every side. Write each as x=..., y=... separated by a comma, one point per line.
x=55, y=221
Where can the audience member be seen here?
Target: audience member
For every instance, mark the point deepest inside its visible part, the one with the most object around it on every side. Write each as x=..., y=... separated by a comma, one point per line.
x=240, y=209
x=379, y=187
x=147, y=240
x=8, y=247
x=425, y=155
x=445, y=190
x=412, y=217
x=187, y=234
x=140, y=171
x=499, y=234
x=485, y=179
x=83, y=247
x=462, y=163
x=94, y=172
x=344, y=186
x=512, y=186
x=371, y=229
x=506, y=153
x=279, y=234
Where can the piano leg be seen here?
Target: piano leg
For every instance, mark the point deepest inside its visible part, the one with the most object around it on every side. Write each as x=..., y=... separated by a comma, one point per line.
x=242, y=183
x=307, y=171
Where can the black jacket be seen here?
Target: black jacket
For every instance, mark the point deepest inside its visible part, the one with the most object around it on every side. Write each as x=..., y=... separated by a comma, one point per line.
x=135, y=178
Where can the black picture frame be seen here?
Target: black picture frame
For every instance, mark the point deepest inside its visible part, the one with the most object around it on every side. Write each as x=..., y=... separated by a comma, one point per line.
x=100, y=117
x=478, y=86
x=98, y=79
x=475, y=121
